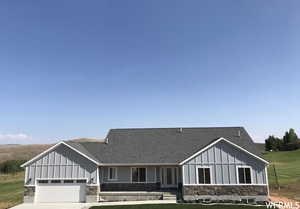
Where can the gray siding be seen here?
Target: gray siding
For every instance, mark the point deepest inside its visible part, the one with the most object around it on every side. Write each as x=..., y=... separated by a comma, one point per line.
x=223, y=160
x=124, y=174
x=61, y=163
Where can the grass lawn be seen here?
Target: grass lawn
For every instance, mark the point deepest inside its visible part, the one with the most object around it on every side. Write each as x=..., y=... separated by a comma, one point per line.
x=11, y=189
x=177, y=206
x=287, y=166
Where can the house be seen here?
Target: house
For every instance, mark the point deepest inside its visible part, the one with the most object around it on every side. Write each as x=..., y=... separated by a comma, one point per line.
x=219, y=163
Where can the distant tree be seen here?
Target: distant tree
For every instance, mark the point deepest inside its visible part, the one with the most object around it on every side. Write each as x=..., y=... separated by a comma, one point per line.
x=11, y=166
x=273, y=143
x=278, y=143
x=290, y=137
x=290, y=141
x=293, y=135
x=286, y=138
x=268, y=146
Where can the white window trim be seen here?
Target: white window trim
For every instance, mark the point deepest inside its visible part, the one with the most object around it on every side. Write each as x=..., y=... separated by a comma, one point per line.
x=145, y=175
x=116, y=174
x=237, y=174
x=197, y=174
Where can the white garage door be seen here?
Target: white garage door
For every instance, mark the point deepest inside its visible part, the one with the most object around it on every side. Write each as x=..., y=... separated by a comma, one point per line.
x=60, y=191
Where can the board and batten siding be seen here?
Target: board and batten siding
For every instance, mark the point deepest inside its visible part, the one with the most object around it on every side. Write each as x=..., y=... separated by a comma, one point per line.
x=61, y=163
x=124, y=174
x=223, y=159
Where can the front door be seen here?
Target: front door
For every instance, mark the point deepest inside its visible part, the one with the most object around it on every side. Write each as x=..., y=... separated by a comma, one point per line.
x=169, y=177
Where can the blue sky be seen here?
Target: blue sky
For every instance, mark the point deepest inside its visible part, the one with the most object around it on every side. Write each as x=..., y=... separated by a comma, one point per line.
x=72, y=69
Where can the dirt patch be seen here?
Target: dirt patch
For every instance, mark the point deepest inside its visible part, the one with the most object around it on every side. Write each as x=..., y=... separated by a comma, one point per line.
x=281, y=199
x=5, y=205
x=285, y=202
x=287, y=193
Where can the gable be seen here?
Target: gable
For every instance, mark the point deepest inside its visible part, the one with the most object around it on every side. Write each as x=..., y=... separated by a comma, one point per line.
x=223, y=152
x=57, y=147
x=61, y=162
x=61, y=155
x=223, y=159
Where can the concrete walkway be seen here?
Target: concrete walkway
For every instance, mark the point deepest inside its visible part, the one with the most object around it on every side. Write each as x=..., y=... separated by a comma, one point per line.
x=86, y=205
x=50, y=206
x=134, y=202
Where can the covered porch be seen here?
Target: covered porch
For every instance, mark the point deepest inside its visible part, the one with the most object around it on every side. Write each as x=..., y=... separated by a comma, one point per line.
x=139, y=178
x=139, y=182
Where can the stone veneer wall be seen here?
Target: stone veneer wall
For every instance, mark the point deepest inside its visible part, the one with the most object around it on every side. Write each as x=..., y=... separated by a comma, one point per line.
x=130, y=187
x=129, y=196
x=91, y=193
x=235, y=192
x=29, y=192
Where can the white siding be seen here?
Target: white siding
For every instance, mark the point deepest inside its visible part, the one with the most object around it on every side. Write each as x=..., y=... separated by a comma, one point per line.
x=223, y=159
x=62, y=162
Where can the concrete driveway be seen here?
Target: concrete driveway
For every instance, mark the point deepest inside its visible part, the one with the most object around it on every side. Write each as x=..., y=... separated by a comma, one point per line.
x=87, y=205
x=52, y=206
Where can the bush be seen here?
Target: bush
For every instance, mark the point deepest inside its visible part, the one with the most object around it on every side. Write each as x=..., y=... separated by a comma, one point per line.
x=291, y=146
x=11, y=166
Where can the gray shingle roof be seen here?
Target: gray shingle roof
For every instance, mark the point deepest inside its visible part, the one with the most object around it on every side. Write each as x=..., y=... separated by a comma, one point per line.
x=160, y=145
x=79, y=146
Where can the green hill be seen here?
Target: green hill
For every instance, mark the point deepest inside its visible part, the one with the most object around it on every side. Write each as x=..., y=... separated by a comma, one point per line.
x=287, y=165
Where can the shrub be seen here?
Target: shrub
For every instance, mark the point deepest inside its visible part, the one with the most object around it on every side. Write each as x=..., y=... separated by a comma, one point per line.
x=11, y=166
x=291, y=146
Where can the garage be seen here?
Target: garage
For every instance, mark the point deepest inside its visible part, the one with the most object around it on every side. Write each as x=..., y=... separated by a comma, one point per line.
x=67, y=190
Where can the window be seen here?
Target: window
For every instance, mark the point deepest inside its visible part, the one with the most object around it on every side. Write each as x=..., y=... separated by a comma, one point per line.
x=138, y=174
x=244, y=174
x=43, y=181
x=55, y=181
x=204, y=176
x=68, y=181
x=112, y=173
x=80, y=181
